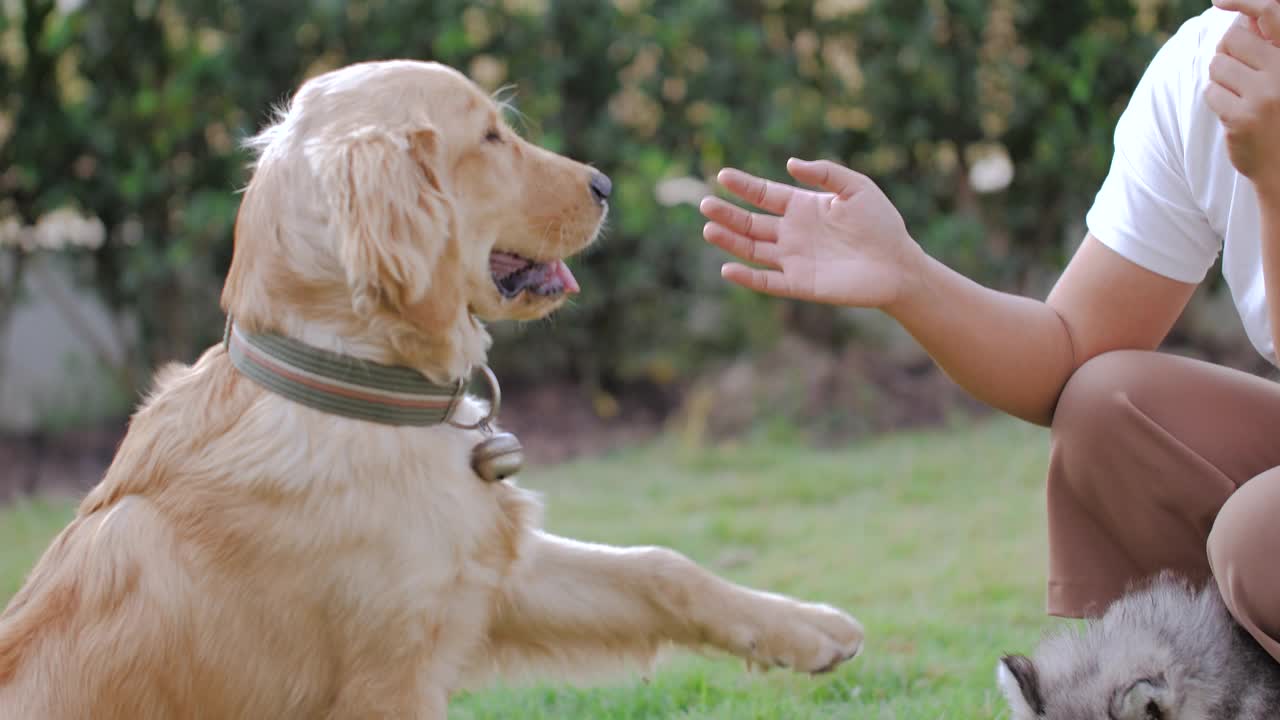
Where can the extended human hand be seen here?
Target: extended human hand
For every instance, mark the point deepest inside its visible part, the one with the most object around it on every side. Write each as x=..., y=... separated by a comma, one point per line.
x=846, y=246
x=1244, y=91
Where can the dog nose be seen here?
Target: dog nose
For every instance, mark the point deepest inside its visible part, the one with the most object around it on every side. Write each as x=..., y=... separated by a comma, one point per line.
x=601, y=187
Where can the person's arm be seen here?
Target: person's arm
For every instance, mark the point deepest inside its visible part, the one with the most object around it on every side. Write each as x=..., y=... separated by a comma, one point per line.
x=1150, y=244
x=1016, y=353
x=849, y=246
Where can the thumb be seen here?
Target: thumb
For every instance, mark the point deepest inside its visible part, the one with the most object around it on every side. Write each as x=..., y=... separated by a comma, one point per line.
x=827, y=175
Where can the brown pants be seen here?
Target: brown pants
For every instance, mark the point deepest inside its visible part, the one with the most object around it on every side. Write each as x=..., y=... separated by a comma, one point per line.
x=1164, y=463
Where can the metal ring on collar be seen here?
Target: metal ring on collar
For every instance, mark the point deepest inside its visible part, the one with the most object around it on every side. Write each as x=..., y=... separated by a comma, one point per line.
x=495, y=402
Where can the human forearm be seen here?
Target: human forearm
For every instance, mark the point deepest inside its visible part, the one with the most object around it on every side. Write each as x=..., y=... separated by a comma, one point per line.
x=850, y=247
x=1016, y=353
x=1013, y=353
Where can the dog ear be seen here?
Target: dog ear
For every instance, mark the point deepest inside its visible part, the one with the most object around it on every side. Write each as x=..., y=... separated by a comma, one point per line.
x=1020, y=681
x=394, y=225
x=1146, y=699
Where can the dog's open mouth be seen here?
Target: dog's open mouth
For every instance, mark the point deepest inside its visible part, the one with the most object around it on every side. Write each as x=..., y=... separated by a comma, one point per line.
x=514, y=274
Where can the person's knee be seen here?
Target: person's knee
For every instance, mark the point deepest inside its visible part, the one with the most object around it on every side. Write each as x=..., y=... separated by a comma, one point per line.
x=1245, y=535
x=1096, y=402
x=1242, y=548
x=1225, y=543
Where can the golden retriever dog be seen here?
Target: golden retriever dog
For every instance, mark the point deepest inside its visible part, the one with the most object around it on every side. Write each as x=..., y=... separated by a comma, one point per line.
x=249, y=556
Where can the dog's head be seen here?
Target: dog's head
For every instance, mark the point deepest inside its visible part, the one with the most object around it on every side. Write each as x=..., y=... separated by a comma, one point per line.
x=393, y=200
x=1162, y=652
x=1094, y=690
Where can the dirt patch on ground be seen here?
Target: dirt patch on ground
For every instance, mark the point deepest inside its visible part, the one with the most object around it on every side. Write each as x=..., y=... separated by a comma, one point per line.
x=833, y=397
x=66, y=462
x=555, y=422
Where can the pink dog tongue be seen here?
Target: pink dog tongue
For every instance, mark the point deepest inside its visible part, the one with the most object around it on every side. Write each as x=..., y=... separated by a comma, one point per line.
x=566, y=276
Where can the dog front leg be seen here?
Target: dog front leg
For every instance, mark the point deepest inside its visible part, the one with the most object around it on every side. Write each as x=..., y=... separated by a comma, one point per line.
x=575, y=608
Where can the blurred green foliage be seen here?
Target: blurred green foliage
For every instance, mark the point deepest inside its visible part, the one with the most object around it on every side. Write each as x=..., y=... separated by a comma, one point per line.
x=132, y=112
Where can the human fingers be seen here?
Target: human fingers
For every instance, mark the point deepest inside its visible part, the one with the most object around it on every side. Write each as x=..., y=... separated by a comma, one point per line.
x=1245, y=45
x=1228, y=106
x=828, y=175
x=764, y=194
x=754, y=225
x=1265, y=12
x=741, y=246
x=1232, y=74
x=769, y=282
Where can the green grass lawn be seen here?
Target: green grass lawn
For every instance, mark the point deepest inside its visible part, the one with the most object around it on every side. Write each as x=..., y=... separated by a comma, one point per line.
x=934, y=540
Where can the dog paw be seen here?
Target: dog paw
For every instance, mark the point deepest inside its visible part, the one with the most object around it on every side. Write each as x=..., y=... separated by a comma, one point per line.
x=803, y=637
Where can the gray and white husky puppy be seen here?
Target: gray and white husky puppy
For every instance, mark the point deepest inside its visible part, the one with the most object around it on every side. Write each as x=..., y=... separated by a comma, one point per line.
x=1164, y=652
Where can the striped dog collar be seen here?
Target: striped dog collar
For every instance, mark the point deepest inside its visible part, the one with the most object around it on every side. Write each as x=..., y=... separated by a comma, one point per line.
x=342, y=384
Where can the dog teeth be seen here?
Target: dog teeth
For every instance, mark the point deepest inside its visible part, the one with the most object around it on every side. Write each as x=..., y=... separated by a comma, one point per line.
x=512, y=279
x=503, y=265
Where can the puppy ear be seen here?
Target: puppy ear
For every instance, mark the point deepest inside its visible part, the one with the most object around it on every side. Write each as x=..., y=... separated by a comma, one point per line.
x=1020, y=681
x=1146, y=699
x=392, y=218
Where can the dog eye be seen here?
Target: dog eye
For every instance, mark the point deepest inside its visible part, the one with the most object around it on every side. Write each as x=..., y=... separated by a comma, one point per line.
x=493, y=136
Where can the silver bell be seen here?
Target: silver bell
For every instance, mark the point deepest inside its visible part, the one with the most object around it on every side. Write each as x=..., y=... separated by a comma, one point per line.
x=498, y=457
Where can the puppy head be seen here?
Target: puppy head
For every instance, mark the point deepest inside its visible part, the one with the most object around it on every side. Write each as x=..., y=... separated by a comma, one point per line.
x=1164, y=651
x=1093, y=690
x=394, y=193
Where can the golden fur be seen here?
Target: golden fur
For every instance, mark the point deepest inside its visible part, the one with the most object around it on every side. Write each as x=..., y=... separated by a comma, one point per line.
x=246, y=557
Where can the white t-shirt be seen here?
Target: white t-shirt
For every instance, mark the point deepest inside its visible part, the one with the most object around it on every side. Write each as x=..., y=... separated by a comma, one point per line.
x=1172, y=199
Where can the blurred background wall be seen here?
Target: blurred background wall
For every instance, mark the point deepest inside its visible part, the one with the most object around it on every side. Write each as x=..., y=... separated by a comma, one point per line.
x=988, y=122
